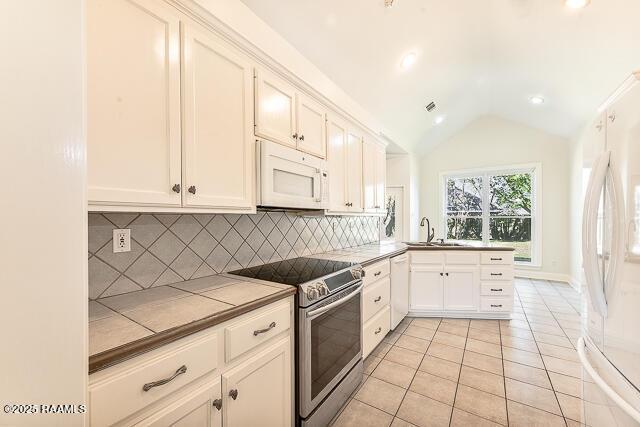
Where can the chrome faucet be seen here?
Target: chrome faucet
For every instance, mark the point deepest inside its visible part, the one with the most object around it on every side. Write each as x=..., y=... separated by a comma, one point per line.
x=431, y=232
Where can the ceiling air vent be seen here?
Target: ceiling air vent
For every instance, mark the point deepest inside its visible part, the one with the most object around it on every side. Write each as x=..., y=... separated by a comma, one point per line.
x=431, y=106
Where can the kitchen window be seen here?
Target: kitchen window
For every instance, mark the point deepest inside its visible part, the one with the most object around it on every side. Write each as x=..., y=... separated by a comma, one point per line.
x=494, y=207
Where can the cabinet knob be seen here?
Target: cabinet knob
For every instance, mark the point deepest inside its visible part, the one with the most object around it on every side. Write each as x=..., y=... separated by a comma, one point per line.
x=446, y=274
x=377, y=331
x=378, y=299
x=442, y=274
x=192, y=189
x=176, y=188
x=612, y=117
x=295, y=136
x=301, y=137
x=217, y=404
x=234, y=394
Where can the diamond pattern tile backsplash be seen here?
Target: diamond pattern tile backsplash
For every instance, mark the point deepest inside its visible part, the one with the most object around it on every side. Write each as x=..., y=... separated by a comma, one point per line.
x=170, y=248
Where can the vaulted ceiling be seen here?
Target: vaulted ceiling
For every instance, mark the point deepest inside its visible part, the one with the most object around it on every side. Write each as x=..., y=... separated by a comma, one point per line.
x=474, y=57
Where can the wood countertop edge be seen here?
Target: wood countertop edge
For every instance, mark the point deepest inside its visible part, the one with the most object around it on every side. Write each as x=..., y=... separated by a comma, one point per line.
x=119, y=354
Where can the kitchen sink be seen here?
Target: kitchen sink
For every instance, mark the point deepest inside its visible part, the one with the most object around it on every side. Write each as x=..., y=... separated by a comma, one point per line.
x=434, y=244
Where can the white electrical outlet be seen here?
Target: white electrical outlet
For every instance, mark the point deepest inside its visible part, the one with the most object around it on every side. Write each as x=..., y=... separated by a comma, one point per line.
x=121, y=240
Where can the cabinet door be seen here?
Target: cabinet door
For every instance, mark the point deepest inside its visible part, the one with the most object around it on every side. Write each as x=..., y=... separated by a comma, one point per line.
x=425, y=288
x=275, y=109
x=369, y=164
x=198, y=408
x=133, y=103
x=354, y=171
x=312, y=126
x=337, y=158
x=262, y=389
x=461, y=288
x=380, y=178
x=217, y=122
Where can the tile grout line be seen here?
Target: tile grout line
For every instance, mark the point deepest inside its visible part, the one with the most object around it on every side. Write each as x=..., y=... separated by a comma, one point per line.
x=504, y=373
x=543, y=362
x=464, y=350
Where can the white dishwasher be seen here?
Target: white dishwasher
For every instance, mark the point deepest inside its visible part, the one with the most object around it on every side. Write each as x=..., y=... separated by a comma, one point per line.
x=399, y=288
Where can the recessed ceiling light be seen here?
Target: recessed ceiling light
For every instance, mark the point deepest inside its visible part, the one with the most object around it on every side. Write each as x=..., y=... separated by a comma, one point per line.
x=439, y=119
x=408, y=60
x=576, y=4
x=536, y=100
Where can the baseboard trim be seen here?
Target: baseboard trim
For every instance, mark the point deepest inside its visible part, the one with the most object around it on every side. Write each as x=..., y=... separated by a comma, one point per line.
x=541, y=275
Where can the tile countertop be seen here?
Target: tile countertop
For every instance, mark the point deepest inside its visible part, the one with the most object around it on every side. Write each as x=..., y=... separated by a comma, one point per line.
x=126, y=325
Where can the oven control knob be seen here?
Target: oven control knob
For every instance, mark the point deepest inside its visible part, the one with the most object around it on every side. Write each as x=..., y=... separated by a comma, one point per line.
x=357, y=273
x=323, y=289
x=312, y=293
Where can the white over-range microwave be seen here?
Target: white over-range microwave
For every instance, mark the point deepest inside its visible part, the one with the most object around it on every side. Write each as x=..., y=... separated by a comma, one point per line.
x=287, y=178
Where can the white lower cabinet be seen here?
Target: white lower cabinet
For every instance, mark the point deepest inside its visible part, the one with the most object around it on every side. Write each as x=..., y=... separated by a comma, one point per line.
x=425, y=288
x=258, y=392
x=461, y=283
x=199, y=408
x=188, y=383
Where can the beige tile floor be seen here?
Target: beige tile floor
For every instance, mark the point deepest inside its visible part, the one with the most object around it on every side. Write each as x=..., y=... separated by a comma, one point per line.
x=460, y=372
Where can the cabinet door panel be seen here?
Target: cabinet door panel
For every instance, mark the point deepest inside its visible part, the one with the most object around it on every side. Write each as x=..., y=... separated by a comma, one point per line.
x=337, y=158
x=425, y=288
x=311, y=126
x=218, y=116
x=263, y=386
x=461, y=288
x=133, y=103
x=354, y=171
x=275, y=109
x=194, y=409
x=369, y=162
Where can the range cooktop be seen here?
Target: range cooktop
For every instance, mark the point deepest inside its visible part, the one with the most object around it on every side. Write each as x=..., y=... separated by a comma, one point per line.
x=295, y=271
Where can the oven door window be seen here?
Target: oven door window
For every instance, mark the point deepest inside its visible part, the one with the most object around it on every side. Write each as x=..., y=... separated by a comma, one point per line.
x=335, y=341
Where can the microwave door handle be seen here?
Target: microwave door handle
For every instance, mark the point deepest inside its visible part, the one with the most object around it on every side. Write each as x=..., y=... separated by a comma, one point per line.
x=317, y=185
x=317, y=312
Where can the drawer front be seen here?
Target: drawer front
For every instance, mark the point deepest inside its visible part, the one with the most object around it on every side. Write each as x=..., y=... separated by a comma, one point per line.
x=375, y=272
x=496, y=288
x=496, y=304
x=427, y=257
x=123, y=395
x=243, y=336
x=462, y=257
x=375, y=297
x=375, y=330
x=496, y=258
x=498, y=272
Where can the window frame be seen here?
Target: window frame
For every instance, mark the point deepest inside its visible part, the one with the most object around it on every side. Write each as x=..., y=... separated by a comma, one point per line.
x=535, y=169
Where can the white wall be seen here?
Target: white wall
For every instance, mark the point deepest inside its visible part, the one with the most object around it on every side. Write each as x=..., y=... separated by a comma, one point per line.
x=403, y=170
x=494, y=142
x=43, y=307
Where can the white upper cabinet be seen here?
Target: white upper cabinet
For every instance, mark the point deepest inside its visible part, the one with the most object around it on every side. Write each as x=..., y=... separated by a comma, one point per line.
x=345, y=166
x=275, y=109
x=217, y=122
x=133, y=103
x=311, y=127
x=337, y=155
x=288, y=116
x=354, y=170
x=374, y=165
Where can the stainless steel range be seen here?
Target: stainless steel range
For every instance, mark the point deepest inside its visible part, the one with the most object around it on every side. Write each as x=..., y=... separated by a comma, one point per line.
x=329, y=331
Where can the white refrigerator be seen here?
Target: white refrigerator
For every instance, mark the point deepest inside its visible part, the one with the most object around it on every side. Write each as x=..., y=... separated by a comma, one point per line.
x=610, y=347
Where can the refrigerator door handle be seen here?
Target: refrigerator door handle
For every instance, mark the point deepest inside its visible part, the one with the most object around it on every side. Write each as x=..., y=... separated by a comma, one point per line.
x=590, y=233
x=626, y=406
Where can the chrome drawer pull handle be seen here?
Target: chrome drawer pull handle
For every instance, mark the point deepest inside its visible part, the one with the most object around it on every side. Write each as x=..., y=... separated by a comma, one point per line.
x=496, y=305
x=217, y=404
x=378, y=273
x=148, y=386
x=496, y=274
x=496, y=290
x=378, y=330
x=496, y=259
x=378, y=299
x=262, y=331
x=234, y=394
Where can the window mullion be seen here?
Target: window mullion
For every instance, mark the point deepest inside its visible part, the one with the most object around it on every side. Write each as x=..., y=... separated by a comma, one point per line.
x=486, y=229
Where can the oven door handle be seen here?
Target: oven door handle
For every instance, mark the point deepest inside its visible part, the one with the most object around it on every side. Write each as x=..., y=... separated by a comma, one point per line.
x=317, y=312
